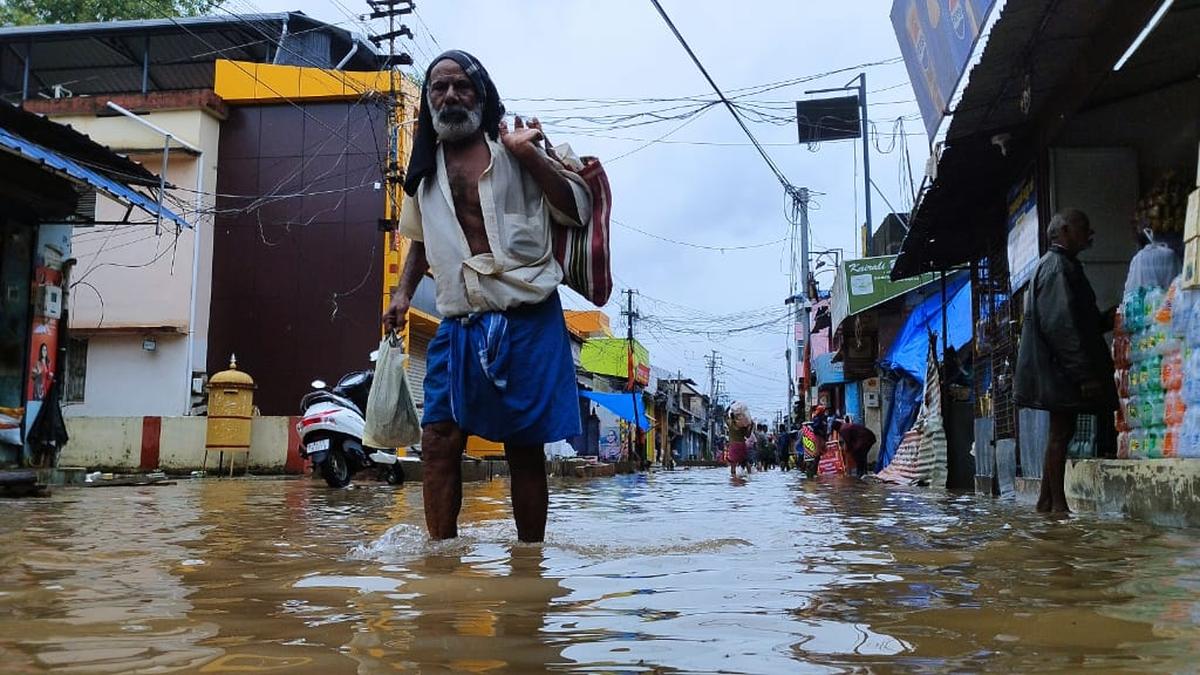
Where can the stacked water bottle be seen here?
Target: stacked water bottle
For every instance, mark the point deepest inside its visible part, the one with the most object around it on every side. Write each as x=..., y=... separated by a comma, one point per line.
x=1153, y=349
x=1186, y=328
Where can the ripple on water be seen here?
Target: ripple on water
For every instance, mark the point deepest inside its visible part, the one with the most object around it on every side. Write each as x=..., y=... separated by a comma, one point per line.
x=686, y=571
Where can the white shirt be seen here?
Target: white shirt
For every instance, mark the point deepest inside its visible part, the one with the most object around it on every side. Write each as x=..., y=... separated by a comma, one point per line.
x=520, y=269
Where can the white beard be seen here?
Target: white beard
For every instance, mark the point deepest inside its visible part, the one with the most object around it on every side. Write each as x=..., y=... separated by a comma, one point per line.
x=452, y=132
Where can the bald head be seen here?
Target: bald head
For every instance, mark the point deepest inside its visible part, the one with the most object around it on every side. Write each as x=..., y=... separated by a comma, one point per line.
x=1071, y=230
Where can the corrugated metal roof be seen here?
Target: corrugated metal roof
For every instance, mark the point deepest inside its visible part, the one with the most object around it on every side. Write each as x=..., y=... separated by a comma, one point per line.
x=107, y=57
x=64, y=165
x=134, y=25
x=64, y=139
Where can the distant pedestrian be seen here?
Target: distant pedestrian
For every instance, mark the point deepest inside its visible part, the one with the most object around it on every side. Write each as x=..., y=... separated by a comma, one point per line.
x=857, y=440
x=481, y=202
x=1064, y=365
x=765, y=449
x=815, y=433
x=783, y=449
x=737, y=453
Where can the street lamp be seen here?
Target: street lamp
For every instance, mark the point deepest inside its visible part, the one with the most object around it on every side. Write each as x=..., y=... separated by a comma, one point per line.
x=838, y=255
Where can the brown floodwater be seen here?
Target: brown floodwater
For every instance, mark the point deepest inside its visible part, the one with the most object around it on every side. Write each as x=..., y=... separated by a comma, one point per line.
x=669, y=572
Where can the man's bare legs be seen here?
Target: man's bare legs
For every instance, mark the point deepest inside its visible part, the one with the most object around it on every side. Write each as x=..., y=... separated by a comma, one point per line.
x=442, y=446
x=1053, y=497
x=530, y=493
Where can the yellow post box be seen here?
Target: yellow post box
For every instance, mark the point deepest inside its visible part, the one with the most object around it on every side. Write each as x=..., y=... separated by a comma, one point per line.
x=230, y=411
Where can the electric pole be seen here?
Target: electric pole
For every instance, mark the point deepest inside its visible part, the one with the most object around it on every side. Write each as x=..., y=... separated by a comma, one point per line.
x=712, y=360
x=797, y=343
x=670, y=456
x=390, y=10
x=630, y=317
x=864, y=132
x=802, y=306
x=866, y=139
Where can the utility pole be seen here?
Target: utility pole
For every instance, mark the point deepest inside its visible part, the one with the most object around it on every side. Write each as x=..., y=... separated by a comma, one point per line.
x=791, y=374
x=800, y=301
x=630, y=317
x=802, y=307
x=679, y=408
x=390, y=10
x=864, y=131
x=866, y=139
x=713, y=359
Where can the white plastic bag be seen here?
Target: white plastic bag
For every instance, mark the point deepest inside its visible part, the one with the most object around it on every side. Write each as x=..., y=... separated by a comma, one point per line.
x=1156, y=265
x=392, y=420
x=741, y=414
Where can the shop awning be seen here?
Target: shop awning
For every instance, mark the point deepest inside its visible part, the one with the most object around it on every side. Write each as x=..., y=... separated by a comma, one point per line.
x=621, y=405
x=1042, y=60
x=73, y=170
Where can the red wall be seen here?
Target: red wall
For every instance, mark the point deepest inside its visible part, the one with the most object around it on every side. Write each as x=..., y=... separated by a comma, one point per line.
x=278, y=263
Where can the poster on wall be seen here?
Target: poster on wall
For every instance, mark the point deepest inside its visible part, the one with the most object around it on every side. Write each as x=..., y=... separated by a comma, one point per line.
x=1023, y=251
x=610, y=443
x=43, y=358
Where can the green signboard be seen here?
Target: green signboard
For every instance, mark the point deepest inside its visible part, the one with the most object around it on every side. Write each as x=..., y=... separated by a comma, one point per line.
x=867, y=282
x=610, y=356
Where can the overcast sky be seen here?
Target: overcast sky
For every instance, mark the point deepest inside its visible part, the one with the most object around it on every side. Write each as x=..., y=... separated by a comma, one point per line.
x=707, y=185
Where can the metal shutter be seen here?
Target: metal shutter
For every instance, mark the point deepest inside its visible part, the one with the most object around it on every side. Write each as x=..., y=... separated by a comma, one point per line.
x=418, y=346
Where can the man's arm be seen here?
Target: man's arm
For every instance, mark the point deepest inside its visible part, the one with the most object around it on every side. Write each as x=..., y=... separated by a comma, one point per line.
x=415, y=267
x=547, y=173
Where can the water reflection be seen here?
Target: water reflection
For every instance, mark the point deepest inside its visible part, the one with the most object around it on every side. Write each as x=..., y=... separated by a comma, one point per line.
x=686, y=571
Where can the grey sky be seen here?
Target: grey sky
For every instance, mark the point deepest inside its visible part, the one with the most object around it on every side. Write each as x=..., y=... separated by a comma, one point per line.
x=717, y=195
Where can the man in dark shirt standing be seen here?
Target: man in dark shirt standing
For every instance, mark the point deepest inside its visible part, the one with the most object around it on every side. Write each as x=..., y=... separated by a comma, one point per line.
x=1064, y=365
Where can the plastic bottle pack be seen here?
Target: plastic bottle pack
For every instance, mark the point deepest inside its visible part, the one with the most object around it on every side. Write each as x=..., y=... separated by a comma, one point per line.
x=1189, y=438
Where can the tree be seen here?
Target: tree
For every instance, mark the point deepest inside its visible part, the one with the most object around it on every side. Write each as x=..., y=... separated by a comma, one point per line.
x=33, y=12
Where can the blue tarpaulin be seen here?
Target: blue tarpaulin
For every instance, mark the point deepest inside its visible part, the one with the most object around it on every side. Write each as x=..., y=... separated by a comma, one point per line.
x=65, y=165
x=621, y=405
x=909, y=352
x=901, y=414
x=908, y=358
x=854, y=401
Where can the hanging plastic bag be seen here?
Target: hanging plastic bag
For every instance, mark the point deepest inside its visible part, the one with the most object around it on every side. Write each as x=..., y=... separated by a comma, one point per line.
x=1155, y=266
x=392, y=420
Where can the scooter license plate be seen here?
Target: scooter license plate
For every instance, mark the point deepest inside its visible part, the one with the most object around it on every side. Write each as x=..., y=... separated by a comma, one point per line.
x=319, y=445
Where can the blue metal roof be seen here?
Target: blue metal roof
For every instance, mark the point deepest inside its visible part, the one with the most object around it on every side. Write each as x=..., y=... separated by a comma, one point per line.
x=74, y=170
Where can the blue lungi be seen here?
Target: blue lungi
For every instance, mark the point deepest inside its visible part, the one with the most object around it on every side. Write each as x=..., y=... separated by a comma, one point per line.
x=507, y=377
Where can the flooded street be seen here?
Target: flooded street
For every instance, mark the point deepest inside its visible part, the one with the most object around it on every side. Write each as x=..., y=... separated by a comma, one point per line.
x=683, y=571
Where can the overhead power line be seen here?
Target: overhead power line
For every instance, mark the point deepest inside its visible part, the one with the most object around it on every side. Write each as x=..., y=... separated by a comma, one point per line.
x=787, y=185
x=703, y=247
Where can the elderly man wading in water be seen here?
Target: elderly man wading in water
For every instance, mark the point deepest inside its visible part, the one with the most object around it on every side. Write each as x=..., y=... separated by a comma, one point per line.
x=1064, y=365
x=481, y=201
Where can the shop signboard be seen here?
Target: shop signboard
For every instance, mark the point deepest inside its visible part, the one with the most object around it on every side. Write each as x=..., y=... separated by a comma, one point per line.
x=610, y=356
x=936, y=40
x=867, y=282
x=1023, y=251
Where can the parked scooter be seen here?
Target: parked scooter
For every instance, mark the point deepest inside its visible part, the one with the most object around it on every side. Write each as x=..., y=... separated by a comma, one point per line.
x=331, y=432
